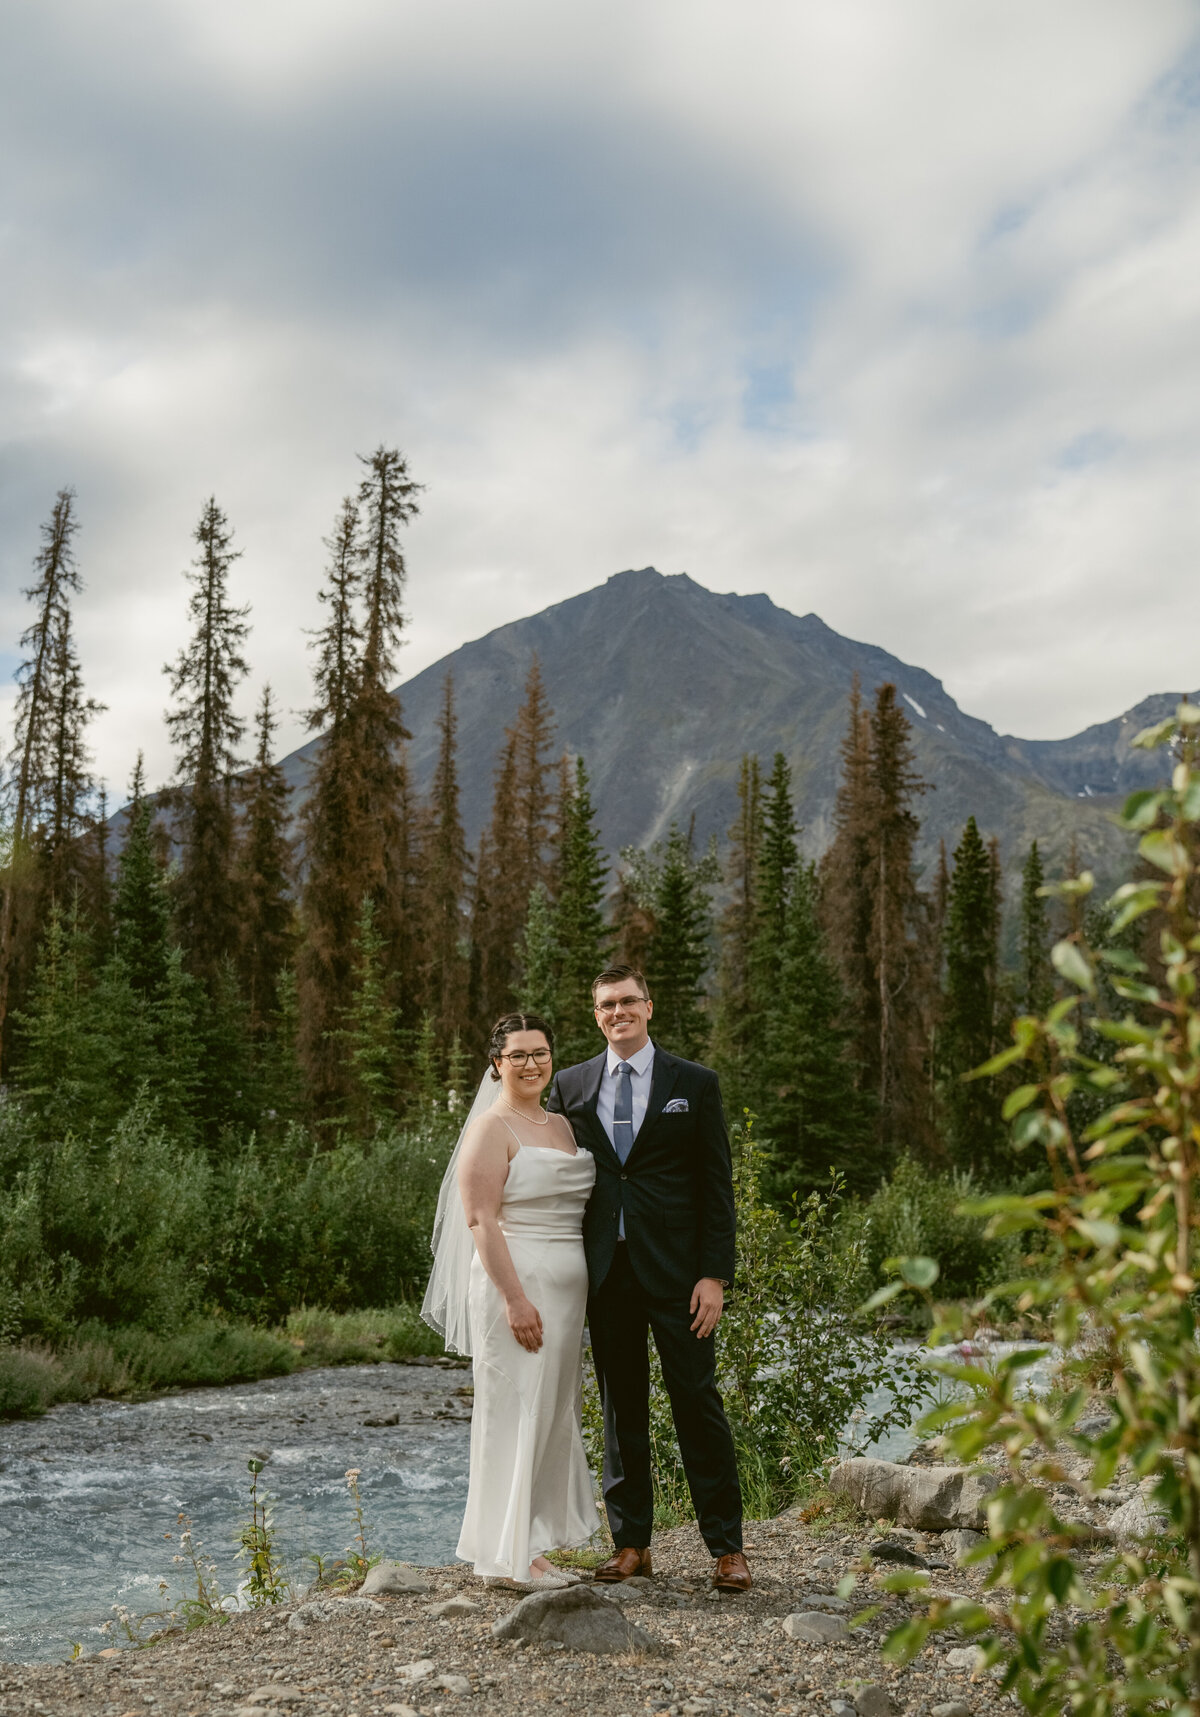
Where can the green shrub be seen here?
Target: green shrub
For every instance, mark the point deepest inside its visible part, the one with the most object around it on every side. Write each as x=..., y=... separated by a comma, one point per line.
x=920, y=1213
x=1068, y=1626
x=323, y=1337
x=29, y=1381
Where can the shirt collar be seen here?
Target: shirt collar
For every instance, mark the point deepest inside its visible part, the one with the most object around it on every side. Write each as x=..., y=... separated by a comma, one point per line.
x=639, y=1062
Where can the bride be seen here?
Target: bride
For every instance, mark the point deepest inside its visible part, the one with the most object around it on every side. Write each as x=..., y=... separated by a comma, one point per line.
x=509, y=1288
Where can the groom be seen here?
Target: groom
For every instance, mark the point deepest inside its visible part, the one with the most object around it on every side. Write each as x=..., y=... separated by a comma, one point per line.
x=659, y=1237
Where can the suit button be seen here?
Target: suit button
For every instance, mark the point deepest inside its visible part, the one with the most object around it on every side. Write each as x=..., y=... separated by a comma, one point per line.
x=624, y=1177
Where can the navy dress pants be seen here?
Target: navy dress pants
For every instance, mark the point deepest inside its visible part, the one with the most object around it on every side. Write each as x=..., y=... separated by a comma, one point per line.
x=620, y=1316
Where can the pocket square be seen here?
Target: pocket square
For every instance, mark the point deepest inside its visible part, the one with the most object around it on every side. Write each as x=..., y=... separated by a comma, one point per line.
x=677, y=1106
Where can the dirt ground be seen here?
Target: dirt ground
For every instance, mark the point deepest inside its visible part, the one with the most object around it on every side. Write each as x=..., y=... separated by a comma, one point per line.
x=721, y=1655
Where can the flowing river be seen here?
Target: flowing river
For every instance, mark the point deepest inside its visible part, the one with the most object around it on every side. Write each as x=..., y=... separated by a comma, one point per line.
x=88, y=1494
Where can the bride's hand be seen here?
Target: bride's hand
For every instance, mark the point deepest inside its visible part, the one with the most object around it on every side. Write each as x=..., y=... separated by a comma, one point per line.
x=525, y=1321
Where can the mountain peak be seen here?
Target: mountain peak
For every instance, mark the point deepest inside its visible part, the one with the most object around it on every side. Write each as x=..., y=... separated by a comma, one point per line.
x=662, y=686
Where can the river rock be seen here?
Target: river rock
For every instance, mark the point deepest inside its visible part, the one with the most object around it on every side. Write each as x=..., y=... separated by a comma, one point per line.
x=951, y=1708
x=964, y=1657
x=274, y=1693
x=875, y=1701
x=421, y=1670
x=451, y=1607
x=961, y=1542
x=326, y=1609
x=832, y=1606
x=577, y=1618
x=932, y=1498
x=457, y=1684
x=394, y=1577
x=888, y=1550
x=814, y=1627
x=1135, y=1520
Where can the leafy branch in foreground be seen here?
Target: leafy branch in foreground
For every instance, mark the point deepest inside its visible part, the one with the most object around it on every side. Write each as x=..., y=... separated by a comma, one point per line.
x=1115, y=1235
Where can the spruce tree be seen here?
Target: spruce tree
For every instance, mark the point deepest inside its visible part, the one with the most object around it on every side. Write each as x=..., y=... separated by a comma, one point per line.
x=47, y=779
x=538, y=958
x=141, y=913
x=533, y=740
x=265, y=872
x=499, y=904
x=582, y=935
x=386, y=849
x=847, y=906
x=968, y=1033
x=896, y=942
x=64, y=858
x=878, y=922
x=1036, y=984
x=332, y=896
x=445, y=872
x=368, y=1036
x=733, y=1025
x=812, y=1113
x=206, y=730
x=57, y=1069
x=679, y=951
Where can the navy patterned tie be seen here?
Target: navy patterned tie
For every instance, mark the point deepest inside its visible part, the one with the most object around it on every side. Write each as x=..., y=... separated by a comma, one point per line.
x=623, y=1126
x=623, y=1111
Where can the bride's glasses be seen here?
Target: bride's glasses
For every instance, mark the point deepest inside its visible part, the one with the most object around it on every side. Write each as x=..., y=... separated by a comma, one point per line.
x=519, y=1057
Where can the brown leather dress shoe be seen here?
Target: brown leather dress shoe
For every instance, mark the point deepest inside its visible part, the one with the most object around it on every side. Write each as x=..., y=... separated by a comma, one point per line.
x=624, y=1565
x=731, y=1573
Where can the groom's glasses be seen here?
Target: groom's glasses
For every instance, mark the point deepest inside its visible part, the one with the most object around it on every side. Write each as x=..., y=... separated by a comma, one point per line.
x=625, y=1003
x=519, y=1057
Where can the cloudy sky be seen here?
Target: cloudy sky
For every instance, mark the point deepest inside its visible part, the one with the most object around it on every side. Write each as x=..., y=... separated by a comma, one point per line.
x=889, y=310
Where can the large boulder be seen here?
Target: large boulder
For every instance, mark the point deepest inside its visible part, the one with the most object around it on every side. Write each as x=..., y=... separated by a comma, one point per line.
x=577, y=1618
x=935, y=1499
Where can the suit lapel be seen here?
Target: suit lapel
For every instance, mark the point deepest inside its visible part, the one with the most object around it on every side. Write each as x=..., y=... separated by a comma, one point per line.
x=662, y=1082
x=591, y=1073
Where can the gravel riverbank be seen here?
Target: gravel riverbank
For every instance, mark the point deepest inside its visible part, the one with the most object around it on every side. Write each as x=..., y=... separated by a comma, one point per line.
x=713, y=1655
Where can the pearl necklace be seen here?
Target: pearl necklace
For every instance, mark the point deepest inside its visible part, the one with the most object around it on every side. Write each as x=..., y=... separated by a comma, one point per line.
x=544, y=1122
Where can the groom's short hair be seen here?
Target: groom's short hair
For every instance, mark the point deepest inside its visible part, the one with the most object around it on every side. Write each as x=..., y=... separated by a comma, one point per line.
x=621, y=975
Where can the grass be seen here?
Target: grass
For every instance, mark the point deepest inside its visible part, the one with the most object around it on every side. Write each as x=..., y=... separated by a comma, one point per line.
x=131, y=1363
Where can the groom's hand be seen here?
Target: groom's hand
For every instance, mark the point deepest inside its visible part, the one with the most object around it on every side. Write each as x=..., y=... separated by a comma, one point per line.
x=708, y=1300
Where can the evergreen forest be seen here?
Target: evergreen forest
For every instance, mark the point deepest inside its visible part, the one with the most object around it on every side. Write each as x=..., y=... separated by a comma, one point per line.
x=237, y=1037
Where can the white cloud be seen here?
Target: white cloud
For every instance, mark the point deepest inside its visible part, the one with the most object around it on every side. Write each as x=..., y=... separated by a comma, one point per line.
x=889, y=311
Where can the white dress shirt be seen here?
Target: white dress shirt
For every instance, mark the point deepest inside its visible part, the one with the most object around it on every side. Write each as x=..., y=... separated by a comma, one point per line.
x=642, y=1068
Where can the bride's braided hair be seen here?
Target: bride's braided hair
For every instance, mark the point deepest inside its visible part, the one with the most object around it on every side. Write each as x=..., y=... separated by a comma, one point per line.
x=507, y=1024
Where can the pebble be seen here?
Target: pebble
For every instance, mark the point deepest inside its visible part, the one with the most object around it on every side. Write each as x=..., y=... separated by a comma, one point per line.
x=951, y=1708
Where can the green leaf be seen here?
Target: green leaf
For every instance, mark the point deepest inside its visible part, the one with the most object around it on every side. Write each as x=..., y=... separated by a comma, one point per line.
x=1161, y=848
x=881, y=1296
x=1019, y=1099
x=1103, y=1235
x=999, y=1062
x=1152, y=737
x=1140, y=810
x=1070, y=964
x=917, y=1272
x=1188, y=714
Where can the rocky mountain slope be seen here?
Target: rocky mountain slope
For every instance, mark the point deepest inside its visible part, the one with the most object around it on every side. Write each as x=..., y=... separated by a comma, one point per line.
x=661, y=685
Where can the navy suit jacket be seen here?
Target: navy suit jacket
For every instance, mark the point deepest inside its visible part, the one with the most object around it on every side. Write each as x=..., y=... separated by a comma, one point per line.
x=676, y=1186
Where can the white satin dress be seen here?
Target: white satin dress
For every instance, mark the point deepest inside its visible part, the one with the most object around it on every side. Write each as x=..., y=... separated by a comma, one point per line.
x=530, y=1489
